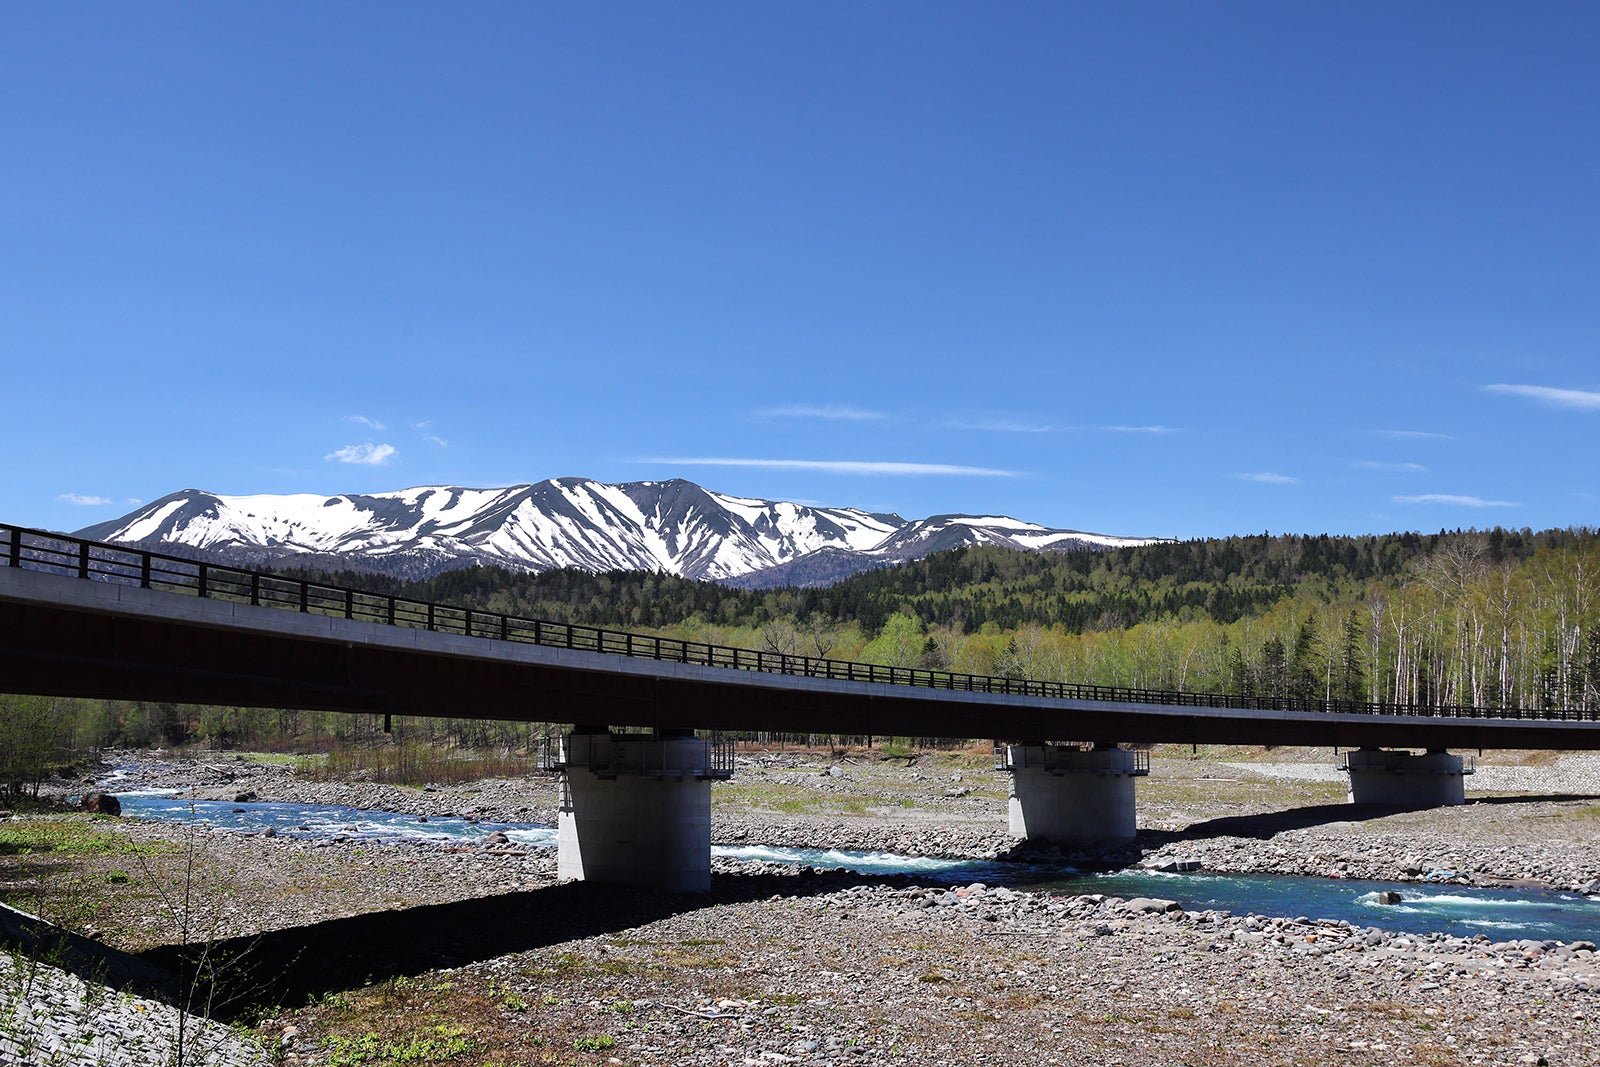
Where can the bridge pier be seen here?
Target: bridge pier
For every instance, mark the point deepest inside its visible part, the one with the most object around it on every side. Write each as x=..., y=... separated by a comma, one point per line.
x=636, y=808
x=1405, y=779
x=1070, y=794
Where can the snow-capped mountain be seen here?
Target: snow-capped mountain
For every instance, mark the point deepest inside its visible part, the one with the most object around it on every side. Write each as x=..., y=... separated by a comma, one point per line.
x=673, y=526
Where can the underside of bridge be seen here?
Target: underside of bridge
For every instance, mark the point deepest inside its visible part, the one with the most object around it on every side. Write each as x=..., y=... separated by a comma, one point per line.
x=144, y=645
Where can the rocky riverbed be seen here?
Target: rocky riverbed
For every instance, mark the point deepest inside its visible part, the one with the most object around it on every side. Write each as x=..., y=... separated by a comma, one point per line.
x=487, y=957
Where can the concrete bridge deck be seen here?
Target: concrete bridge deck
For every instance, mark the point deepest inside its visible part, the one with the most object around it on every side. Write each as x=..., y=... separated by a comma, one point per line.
x=79, y=618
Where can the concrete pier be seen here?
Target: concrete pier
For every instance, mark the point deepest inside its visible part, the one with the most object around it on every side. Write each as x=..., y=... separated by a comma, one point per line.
x=636, y=808
x=1404, y=779
x=1071, y=794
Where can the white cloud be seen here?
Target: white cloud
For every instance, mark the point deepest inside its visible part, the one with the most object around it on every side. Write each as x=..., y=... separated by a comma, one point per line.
x=84, y=501
x=1574, y=399
x=433, y=439
x=832, y=412
x=1139, y=429
x=1268, y=477
x=1411, y=435
x=837, y=466
x=1455, y=500
x=1002, y=426
x=1392, y=468
x=373, y=424
x=369, y=454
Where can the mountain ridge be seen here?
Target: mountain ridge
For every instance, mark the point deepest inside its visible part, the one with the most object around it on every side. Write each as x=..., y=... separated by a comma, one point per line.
x=675, y=526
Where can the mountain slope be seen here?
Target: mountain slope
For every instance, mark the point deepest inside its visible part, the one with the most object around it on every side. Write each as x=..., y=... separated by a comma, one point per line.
x=673, y=526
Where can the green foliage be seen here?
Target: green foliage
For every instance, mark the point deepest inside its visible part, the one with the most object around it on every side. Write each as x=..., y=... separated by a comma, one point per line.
x=899, y=644
x=435, y=1043
x=71, y=835
x=30, y=742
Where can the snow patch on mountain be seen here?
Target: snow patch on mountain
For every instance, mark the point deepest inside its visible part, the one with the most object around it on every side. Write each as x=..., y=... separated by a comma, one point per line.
x=674, y=526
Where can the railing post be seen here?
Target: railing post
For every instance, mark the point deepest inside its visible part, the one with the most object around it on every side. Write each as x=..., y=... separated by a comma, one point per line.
x=15, y=553
x=83, y=559
x=255, y=588
x=144, y=568
x=391, y=610
x=349, y=604
x=200, y=580
x=430, y=616
x=466, y=621
x=305, y=597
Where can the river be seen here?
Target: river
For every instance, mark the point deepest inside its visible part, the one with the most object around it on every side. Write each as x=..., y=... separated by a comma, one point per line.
x=1460, y=911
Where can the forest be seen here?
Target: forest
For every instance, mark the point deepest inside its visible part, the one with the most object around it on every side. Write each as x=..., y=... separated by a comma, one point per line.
x=1497, y=617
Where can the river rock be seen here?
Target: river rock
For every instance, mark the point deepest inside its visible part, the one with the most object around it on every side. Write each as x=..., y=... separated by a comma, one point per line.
x=1152, y=904
x=1388, y=896
x=101, y=804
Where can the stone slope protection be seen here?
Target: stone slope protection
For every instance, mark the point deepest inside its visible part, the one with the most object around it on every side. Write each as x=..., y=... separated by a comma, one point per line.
x=673, y=526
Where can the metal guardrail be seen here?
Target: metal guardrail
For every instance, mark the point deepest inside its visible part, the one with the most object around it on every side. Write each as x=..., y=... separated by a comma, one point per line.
x=1390, y=759
x=1054, y=756
x=40, y=550
x=608, y=755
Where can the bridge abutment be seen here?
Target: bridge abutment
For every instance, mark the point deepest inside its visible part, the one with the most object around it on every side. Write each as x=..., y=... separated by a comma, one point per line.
x=1432, y=779
x=636, y=808
x=1070, y=794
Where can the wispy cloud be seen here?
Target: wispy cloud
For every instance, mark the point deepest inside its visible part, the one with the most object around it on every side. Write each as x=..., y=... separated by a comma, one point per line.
x=84, y=500
x=837, y=466
x=1411, y=435
x=1268, y=478
x=422, y=427
x=368, y=454
x=1002, y=425
x=831, y=412
x=1014, y=425
x=1573, y=399
x=1455, y=501
x=1391, y=468
x=373, y=424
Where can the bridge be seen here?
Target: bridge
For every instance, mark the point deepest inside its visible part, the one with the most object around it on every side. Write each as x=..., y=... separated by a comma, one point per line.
x=88, y=619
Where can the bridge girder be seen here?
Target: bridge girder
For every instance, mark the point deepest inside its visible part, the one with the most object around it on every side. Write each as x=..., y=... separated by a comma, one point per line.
x=61, y=637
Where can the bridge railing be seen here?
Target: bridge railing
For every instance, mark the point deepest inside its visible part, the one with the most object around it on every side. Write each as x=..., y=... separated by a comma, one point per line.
x=39, y=550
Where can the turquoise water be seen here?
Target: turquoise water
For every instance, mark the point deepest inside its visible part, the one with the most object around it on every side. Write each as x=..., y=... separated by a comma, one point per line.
x=1499, y=914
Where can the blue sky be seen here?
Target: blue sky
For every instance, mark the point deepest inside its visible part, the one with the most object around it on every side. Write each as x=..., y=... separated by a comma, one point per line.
x=1179, y=269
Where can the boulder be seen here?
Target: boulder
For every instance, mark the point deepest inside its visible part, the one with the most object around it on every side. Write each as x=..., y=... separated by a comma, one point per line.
x=1388, y=896
x=1152, y=904
x=101, y=804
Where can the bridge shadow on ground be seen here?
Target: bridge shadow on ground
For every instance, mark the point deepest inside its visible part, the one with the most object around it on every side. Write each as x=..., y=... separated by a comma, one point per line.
x=298, y=965
x=1269, y=824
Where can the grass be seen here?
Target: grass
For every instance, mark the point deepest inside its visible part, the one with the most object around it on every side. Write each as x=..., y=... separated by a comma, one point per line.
x=72, y=835
x=786, y=799
x=436, y=1044
x=411, y=763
